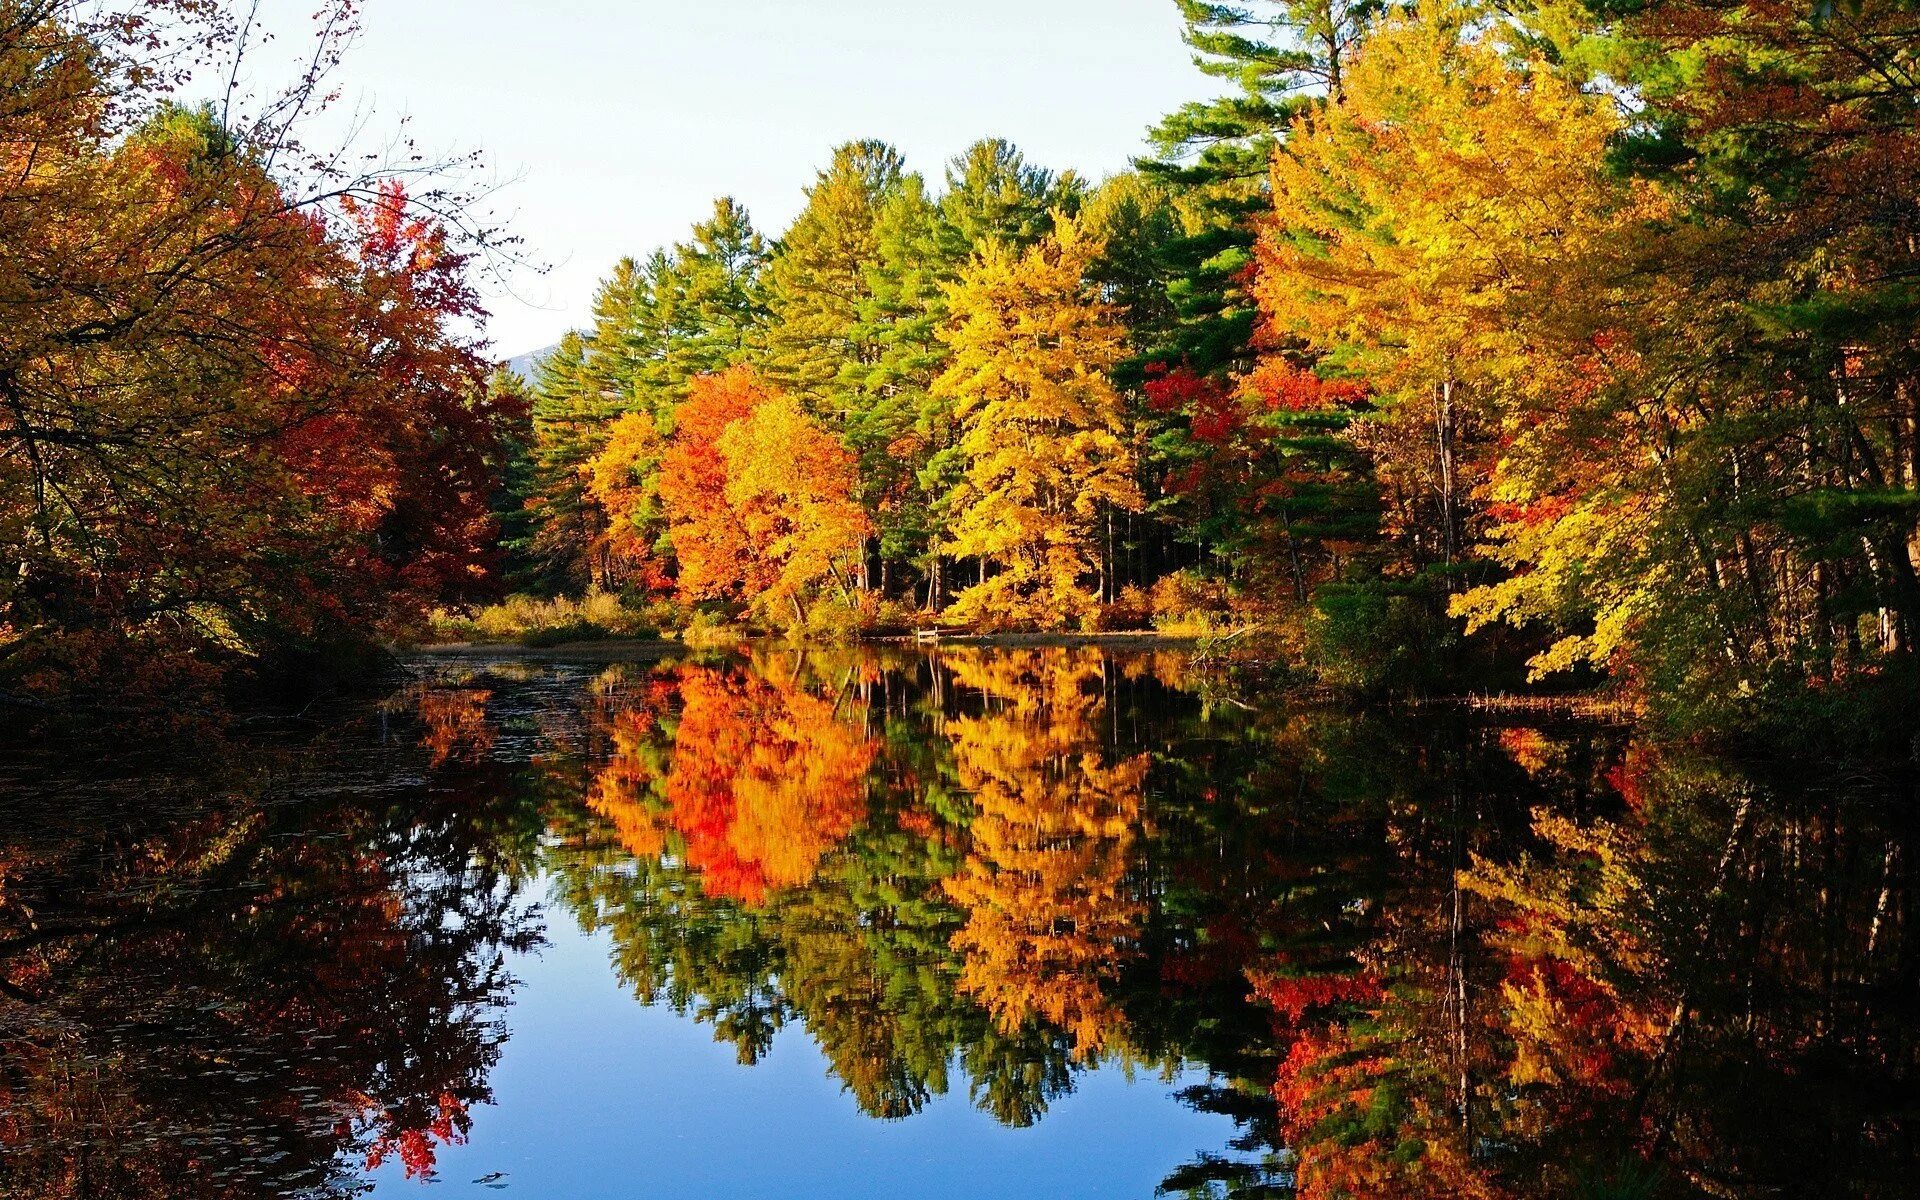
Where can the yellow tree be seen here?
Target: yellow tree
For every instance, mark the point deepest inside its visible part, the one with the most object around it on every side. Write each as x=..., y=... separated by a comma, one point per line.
x=791, y=485
x=623, y=479
x=1426, y=226
x=1045, y=438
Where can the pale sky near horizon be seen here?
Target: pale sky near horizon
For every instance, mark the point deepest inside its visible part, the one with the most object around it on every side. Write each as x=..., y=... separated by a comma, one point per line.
x=619, y=122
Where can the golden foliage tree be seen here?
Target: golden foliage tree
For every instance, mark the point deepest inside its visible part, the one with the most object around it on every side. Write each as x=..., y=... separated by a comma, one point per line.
x=1045, y=438
x=624, y=480
x=791, y=486
x=1424, y=223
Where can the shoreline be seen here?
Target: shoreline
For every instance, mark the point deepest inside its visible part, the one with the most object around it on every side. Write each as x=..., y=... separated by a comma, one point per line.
x=636, y=649
x=1145, y=639
x=639, y=647
x=1590, y=706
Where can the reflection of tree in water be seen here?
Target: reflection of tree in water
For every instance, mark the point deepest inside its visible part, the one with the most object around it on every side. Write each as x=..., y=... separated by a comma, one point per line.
x=210, y=986
x=858, y=942
x=763, y=779
x=1420, y=956
x=455, y=722
x=1027, y=887
x=1715, y=980
x=1686, y=980
x=1050, y=920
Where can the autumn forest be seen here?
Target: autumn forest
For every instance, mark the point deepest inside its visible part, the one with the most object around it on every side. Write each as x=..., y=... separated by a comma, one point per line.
x=1368, y=653
x=1452, y=348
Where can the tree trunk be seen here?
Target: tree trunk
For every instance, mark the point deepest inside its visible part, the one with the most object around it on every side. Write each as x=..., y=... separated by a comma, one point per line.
x=1444, y=438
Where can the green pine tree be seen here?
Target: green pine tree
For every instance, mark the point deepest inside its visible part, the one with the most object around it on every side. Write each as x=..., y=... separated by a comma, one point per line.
x=571, y=411
x=994, y=194
x=819, y=282
x=709, y=299
x=1283, y=56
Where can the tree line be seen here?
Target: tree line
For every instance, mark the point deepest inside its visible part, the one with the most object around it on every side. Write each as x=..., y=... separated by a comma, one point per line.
x=1587, y=326
x=1454, y=337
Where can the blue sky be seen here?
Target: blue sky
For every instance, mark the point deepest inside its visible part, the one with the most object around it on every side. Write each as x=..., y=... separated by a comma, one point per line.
x=619, y=120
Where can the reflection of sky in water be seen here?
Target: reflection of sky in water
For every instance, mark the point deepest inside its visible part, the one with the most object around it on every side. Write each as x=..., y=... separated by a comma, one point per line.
x=599, y=1096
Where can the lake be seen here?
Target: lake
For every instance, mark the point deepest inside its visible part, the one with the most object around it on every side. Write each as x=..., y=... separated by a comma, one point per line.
x=955, y=922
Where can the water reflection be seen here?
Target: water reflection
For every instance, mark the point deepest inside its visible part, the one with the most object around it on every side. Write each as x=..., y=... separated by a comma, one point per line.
x=1416, y=955
x=214, y=986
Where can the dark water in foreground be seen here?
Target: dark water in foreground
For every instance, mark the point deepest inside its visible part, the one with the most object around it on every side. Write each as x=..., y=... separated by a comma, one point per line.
x=1038, y=923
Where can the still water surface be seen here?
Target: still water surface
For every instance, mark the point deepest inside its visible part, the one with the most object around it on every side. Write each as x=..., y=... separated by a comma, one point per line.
x=967, y=923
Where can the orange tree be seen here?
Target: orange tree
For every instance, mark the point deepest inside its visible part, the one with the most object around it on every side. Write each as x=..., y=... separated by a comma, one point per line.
x=758, y=499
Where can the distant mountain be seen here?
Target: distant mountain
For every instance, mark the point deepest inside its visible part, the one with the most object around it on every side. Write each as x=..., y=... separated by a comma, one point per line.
x=526, y=364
